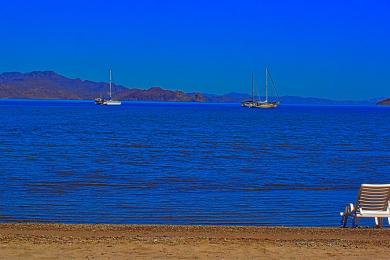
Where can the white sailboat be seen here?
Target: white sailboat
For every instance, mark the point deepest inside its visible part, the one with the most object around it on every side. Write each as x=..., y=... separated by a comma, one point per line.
x=252, y=102
x=262, y=103
x=108, y=101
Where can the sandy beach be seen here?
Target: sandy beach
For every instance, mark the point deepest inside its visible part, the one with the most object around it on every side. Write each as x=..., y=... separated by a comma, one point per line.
x=45, y=241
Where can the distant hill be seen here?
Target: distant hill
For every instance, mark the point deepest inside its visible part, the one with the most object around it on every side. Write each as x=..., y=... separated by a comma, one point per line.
x=50, y=85
x=324, y=101
x=290, y=100
x=384, y=102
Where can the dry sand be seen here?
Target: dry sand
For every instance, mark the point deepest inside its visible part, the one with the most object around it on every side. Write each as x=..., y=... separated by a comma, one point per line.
x=48, y=241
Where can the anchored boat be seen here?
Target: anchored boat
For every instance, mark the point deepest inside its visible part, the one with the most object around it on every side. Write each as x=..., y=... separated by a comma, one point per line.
x=108, y=101
x=262, y=103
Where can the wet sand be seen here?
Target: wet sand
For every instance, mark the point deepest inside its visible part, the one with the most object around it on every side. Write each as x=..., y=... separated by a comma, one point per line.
x=45, y=241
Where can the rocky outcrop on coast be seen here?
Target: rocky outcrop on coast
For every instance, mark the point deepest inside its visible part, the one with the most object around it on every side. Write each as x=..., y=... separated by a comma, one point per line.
x=384, y=102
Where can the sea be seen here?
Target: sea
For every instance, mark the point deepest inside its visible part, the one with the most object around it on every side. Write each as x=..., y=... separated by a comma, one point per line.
x=187, y=163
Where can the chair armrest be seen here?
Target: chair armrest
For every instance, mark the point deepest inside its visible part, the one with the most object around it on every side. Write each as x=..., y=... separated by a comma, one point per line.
x=352, y=207
x=349, y=209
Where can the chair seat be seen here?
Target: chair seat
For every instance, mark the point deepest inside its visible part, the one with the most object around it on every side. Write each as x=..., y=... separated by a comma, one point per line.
x=373, y=214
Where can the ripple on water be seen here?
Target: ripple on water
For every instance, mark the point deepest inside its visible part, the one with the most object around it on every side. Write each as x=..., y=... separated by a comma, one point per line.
x=187, y=164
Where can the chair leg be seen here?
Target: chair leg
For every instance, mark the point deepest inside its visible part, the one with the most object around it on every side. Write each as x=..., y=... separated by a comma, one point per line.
x=357, y=222
x=344, y=220
x=354, y=221
x=378, y=222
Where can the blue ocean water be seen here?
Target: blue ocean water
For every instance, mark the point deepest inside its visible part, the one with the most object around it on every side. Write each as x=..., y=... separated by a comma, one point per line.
x=181, y=163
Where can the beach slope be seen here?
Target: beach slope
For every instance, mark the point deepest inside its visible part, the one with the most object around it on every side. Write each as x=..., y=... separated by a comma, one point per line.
x=39, y=241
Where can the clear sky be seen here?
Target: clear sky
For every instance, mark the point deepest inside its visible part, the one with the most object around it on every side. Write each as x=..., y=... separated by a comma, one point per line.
x=334, y=49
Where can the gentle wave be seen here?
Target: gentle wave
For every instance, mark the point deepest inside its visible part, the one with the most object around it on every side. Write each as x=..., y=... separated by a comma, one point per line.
x=187, y=163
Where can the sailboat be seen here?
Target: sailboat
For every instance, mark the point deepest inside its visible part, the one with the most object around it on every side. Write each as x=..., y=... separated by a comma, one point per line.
x=262, y=103
x=108, y=101
x=252, y=102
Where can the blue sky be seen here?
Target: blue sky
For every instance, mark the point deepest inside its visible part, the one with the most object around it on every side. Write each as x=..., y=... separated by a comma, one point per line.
x=334, y=49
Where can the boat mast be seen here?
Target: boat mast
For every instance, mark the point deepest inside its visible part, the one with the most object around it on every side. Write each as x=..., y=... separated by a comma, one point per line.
x=110, y=82
x=253, y=88
x=266, y=84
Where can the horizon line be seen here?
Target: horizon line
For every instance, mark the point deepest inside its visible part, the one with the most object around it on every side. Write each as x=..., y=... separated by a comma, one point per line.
x=378, y=98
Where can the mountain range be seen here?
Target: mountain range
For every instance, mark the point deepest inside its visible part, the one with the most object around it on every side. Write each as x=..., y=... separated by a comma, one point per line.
x=51, y=85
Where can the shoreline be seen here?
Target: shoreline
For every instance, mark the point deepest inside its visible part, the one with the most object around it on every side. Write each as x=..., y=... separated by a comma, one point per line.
x=336, y=103
x=35, y=241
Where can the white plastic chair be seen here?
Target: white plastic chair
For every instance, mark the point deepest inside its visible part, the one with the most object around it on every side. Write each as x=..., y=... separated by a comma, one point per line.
x=372, y=202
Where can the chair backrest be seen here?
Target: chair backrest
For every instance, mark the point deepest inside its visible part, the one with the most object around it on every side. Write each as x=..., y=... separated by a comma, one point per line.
x=374, y=197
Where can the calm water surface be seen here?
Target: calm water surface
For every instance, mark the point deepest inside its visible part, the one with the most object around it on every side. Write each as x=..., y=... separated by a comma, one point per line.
x=169, y=163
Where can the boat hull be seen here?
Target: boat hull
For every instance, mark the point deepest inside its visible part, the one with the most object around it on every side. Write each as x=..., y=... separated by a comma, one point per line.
x=248, y=104
x=266, y=105
x=263, y=105
x=107, y=102
x=113, y=103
